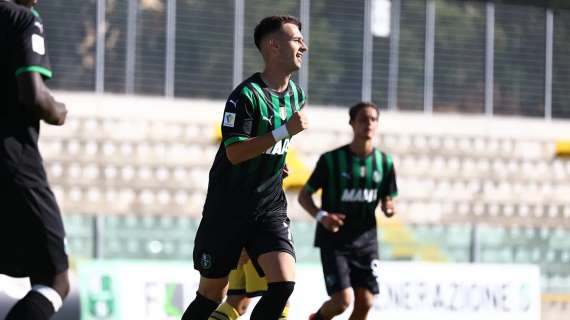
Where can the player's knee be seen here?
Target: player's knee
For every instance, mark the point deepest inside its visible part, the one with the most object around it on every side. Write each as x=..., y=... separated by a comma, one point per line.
x=341, y=301
x=363, y=304
x=240, y=303
x=363, y=300
x=212, y=289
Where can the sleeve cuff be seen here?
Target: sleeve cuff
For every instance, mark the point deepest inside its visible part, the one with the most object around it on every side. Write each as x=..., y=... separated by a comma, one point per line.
x=232, y=140
x=39, y=69
x=309, y=188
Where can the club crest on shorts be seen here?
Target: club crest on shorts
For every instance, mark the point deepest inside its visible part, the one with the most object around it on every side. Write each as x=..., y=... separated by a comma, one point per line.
x=206, y=261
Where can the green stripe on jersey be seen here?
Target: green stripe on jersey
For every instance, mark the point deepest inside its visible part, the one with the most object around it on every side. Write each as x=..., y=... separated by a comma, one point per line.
x=309, y=188
x=276, y=111
x=246, y=92
x=295, y=94
x=35, y=12
x=262, y=127
x=302, y=96
x=389, y=161
x=39, y=69
x=288, y=109
x=233, y=140
x=379, y=164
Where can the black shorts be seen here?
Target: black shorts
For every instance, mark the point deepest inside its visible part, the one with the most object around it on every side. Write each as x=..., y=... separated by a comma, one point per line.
x=350, y=268
x=219, y=242
x=31, y=232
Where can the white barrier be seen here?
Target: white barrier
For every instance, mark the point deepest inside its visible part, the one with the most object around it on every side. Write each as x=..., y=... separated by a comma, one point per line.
x=161, y=291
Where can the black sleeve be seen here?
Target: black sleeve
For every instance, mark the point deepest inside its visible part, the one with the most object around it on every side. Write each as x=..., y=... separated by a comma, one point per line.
x=30, y=54
x=318, y=177
x=238, y=120
x=389, y=187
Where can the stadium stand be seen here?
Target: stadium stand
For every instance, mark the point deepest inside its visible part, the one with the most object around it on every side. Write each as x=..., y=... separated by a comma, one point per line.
x=132, y=183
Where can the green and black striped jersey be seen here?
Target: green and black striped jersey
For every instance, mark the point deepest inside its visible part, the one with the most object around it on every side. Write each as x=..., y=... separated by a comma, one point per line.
x=253, y=186
x=352, y=185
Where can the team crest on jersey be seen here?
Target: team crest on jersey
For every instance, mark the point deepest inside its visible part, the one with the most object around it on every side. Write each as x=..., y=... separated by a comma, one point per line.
x=206, y=261
x=376, y=176
x=229, y=119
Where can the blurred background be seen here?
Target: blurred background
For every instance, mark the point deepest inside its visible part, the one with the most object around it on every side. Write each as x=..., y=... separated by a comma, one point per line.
x=475, y=109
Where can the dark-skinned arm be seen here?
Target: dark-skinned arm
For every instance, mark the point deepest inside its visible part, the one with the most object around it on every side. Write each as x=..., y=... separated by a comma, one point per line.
x=36, y=98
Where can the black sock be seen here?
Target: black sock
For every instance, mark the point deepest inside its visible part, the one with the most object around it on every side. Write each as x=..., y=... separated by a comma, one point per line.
x=271, y=304
x=34, y=306
x=200, y=308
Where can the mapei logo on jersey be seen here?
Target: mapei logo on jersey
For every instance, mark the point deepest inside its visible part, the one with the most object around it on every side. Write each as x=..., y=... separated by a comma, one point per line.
x=359, y=195
x=229, y=119
x=279, y=148
x=38, y=45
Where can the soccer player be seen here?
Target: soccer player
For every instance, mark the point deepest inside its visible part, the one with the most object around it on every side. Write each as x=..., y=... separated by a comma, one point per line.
x=31, y=230
x=245, y=204
x=353, y=179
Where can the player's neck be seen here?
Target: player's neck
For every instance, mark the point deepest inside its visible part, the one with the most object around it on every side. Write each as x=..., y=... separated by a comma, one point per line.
x=275, y=79
x=361, y=147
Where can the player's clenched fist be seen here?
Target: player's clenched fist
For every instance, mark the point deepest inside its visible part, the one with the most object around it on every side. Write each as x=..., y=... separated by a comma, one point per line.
x=297, y=123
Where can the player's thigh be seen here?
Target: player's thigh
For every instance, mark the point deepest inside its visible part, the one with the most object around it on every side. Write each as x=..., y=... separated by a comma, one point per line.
x=363, y=266
x=217, y=247
x=278, y=266
x=335, y=270
x=271, y=237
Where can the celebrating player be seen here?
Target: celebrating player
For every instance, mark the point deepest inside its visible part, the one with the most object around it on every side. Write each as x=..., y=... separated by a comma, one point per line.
x=245, y=204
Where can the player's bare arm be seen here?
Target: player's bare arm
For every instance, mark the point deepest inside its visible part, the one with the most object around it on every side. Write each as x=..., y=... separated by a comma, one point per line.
x=33, y=94
x=388, y=207
x=253, y=147
x=332, y=221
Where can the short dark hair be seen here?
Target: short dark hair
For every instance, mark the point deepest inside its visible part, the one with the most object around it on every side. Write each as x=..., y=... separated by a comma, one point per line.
x=353, y=111
x=271, y=24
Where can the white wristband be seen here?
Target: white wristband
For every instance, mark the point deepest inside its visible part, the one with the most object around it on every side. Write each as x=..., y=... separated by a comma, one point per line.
x=320, y=215
x=50, y=294
x=280, y=133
